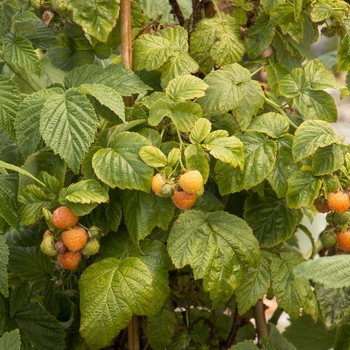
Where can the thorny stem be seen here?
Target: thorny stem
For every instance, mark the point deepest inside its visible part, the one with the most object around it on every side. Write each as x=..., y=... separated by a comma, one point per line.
x=279, y=109
x=261, y=325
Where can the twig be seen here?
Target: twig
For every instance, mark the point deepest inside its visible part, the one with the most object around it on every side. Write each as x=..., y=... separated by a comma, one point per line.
x=176, y=11
x=196, y=13
x=261, y=325
x=238, y=322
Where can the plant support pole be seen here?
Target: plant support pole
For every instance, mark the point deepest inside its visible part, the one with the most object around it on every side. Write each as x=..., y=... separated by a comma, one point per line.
x=126, y=53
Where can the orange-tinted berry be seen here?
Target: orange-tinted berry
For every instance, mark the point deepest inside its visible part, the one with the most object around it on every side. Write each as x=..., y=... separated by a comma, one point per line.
x=191, y=181
x=343, y=240
x=338, y=201
x=74, y=239
x=157, y=183
x=184, y=200
x=69, y=260
x=64, y=218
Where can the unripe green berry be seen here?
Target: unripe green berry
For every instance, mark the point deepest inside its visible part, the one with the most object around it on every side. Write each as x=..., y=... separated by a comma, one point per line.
x=166, y=191
x=328, y=239
x=91, y=247
x=341, y=219
x=47, y=246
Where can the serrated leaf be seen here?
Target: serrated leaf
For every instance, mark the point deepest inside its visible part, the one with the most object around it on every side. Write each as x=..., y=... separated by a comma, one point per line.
x=343, y=54
x=271, y=124
x=257, y=150
x=107, y=96
x=97, y=17
x=225, y=91
x=9, y=103
x=195, y=159
x=39, y=328
x=11, y=340
x=116, y=76
x=213, y=244
x=68, y=119
x=311, y=135
x=153, y=156
x=28, y=120
x=185, y=87
x=161, y=328
x=305, y=334
x=19, y=51
x=260, y=35
x=321, y=11
x=174, y=156
x=271, y=220
x=19, y=295
x=144, y=211
x=271, y=4
x=151, y=51
x=254, y=286
x=200, y=130
x=291, y=293
x=327, y=160
x=38, y=265
x=278, y=339
x=245, y=345
x=4, y=257
x=283, y=167
x=86, y=192
x=121, y=166
x=342, y=340
x=333, y=304
x=303, y=188
x=331, y=272
x=8, y=199
x=105, y=311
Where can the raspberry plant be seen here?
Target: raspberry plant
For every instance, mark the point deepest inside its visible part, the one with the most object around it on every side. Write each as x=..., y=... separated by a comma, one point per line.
x=225, y=89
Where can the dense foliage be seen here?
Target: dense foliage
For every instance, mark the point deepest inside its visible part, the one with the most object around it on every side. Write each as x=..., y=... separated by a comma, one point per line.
x=226, y=88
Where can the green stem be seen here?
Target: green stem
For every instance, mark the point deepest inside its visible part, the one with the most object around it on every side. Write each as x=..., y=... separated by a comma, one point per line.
x=181, y=147
x=280, y=110
x=256, y=71
x=314, y=250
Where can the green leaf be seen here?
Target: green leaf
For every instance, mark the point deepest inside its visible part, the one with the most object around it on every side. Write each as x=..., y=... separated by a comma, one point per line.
x=283, y=167
x=151, y=51
x=11, y=340
x=291, y=293
x=217, y=39
x=144, y=211
x=271, y=220
x=271, y=124
x=331, y=271
x=327, y=160
x=38, y=265
x=320, y=11
x=195, y=159
x=200, y=130
x=28, y=120
x=183, y=114
x=39, y=328
x=303, y=188
x=105, y=311
x=86, y=192
x=257, y=150
x=121, y=166
x=97, y=18
x=311, y=135
x=342, y=340
x=246, y=345
x=333, y=304
x=213, y=244
x=173, y=156
x=8, y=199
x=254, y=286
x=271, y=4
x=228, y=149
x=19, y=51
x=107, y=96
x=305, y=334
x=260, y=35
x=116, y=76
x=278, y=339
x=343, y=54
x=226, y=88
x=20, y=294
x=161, y=328
x=68, y=119
x=153, y=156
x=10, y=100
x=4, y=257
x=185, y=87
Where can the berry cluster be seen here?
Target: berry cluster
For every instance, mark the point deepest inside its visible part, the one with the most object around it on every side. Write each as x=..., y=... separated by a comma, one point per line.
x=183, y=190
x=68, y=241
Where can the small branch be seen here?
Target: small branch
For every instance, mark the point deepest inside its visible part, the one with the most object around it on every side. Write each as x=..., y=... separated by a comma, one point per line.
x=196, y=13
x=261, y=325
x=238, y=322
x=176, y=11
x=134, y=334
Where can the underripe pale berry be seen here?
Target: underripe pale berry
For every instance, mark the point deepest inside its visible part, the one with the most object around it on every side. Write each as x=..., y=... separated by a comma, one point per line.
x=191, y=181
x=157, y=183
x=47, y=246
